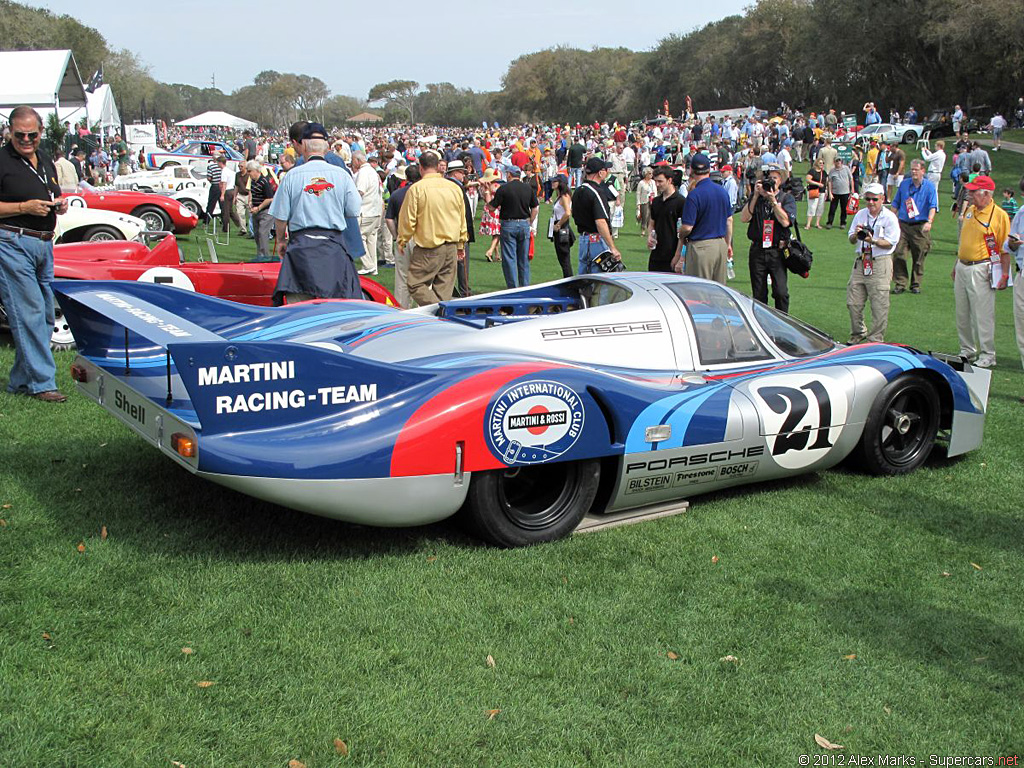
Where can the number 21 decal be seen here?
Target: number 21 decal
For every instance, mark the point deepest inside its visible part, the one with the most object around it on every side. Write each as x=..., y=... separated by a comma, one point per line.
x=802, y=415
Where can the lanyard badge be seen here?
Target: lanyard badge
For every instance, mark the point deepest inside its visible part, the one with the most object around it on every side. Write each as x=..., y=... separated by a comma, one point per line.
x=990, y=245
x=911, y=206
x=767, y=234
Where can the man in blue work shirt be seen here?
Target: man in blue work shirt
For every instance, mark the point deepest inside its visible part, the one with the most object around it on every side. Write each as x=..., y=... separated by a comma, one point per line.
x=915, y=204
x=313, y=208
x=705, y=226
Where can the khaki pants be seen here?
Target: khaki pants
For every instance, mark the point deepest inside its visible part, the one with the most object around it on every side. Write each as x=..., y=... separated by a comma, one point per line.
x=874, y=288
x=1018, y=311
x=402, y=256
x=386, y=244
x=707, y=259
x=368, y=226
x=918, y=242
x=975, y=311
x=432, y=273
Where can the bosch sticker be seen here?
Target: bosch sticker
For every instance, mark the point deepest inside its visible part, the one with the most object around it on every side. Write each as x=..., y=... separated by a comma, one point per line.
x=535, y=421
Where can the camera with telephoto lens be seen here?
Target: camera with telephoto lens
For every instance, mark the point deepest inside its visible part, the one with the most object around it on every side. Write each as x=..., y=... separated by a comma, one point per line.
x=863, y=232
x=768, y=185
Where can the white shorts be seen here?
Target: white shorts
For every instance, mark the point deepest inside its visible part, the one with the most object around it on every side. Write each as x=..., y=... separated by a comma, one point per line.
x=815, y=206
x=897, y=182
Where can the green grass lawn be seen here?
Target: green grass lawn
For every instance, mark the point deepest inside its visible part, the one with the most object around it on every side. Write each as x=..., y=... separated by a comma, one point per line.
x=883, y=614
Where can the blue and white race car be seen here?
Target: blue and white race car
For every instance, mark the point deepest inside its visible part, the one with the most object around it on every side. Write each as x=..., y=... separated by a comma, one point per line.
x=527, y=409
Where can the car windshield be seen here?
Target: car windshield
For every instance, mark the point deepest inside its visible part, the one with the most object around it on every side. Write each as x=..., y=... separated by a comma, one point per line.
x=722, y=332
x=793, y=337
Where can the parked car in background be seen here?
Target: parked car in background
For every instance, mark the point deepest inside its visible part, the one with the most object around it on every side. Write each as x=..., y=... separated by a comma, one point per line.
x=95, y=225
x=889, y=132
x=941, y=121
x=159, y=212
x=192, y=153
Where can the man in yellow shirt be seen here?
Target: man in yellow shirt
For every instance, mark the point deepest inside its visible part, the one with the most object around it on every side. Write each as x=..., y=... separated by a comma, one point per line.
x=433, y=219
x=870, y=164
x=981, y=251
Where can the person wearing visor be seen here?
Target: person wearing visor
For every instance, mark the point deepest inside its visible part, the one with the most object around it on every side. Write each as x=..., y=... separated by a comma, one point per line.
x=30, y=201
x=874, y=233
x=982, y=267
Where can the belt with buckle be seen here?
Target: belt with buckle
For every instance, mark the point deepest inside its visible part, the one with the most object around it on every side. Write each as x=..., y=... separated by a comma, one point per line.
x=972, y=263
x=38, y=234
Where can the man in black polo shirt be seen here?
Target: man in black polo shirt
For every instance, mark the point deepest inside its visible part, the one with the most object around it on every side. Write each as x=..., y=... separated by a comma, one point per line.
x=29, y=204
x=574, y=159
x=518, y=204
x=591, y=215
x=666, y=210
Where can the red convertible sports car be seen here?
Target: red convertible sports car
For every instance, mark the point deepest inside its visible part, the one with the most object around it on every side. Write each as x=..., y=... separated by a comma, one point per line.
x=244, y=282
x=161, y=213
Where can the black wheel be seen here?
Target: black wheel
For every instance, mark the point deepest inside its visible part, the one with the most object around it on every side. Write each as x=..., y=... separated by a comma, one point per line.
x=101, y=233
x=517, y=506
x=156, y=219
x=901, y=427
x=910, y=137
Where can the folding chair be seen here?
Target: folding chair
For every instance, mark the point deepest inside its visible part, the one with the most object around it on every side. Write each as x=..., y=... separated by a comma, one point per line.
x=923, y=142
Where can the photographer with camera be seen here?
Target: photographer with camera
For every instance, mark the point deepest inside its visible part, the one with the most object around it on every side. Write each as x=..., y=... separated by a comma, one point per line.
x=769, y=213
x=875, y=231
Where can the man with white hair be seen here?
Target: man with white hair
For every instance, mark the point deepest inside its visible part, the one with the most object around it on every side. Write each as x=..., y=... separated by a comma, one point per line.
x=314, y=206
x=371, y=210
x=982, y=252
x=875, y=231
x=261, y=195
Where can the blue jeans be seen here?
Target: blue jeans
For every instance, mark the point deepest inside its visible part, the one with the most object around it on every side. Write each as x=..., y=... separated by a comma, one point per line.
x=515, y=252
x=26, y=270
x=588, y=250
x=575, y=177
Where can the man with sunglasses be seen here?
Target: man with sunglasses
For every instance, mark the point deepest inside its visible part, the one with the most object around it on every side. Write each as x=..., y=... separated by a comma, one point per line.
x=30, y=201
x=875, y=231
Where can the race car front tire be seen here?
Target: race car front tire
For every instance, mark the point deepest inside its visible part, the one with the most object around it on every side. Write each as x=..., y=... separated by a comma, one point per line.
x=900, y=431
x=522, y=505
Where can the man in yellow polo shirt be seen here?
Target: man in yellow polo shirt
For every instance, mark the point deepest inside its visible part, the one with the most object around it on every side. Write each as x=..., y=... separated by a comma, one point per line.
x=981, y=252
x=433, y=219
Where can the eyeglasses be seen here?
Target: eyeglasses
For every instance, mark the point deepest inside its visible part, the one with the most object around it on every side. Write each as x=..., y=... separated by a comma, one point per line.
x=22, y=136
x=872, y=199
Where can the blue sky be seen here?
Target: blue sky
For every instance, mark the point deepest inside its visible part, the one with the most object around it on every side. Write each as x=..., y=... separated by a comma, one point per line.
x=469, y=44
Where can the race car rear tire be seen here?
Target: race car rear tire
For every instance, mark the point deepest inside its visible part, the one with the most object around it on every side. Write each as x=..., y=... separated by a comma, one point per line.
x=101, y=233
x=518, y=506
x=909, y=137
x=900, y=431
x=156, y=219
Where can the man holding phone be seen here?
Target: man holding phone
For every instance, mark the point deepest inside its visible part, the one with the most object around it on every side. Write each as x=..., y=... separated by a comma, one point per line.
x=30, y=201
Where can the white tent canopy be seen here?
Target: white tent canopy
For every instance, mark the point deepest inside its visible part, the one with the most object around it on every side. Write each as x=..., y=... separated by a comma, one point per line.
x=41, y=79
x=102, y=109
x=216, y=120
x=732, y=112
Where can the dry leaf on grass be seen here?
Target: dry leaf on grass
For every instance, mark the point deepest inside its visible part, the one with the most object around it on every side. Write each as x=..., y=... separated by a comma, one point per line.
x=341, y=747
x=186, y=650
x=103, y=533
x=887, y=710
x=673, y=655
x=431, y=559
x=296, y=764
x=946, y=574
x=78, y=490
x=46, y=636
x=730, y=659
x=572, y=620
x=850, y=657
x=492, y=713
x=981, y=659
x=205, y=683
x=824, y=743
x=714, y=559
x=81, y=546
x=6, y=506
x=3, y=523
x=490, y=661
x=176, y=764
x=976, y=566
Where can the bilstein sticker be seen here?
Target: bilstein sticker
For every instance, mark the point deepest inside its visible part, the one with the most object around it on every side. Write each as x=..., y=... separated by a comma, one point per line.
x=533, y=422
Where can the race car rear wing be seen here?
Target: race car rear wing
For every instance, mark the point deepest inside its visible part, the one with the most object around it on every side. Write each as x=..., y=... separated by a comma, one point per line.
x=191, y=359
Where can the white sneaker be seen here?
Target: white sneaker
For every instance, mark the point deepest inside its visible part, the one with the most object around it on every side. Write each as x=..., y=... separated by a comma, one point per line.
x=986, y=362
x=367, y=272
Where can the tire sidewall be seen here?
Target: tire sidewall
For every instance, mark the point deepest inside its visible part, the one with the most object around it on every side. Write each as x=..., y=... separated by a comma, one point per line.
x=872, y=453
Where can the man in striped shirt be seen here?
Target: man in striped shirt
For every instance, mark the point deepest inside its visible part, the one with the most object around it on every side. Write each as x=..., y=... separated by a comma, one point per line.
x=261, y=196
x=215, y=175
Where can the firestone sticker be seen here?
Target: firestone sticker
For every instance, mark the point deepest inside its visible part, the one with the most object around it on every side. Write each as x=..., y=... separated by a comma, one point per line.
x=534, y=422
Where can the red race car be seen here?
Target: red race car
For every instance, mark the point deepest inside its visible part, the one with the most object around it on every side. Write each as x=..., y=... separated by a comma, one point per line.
x=244, y=282
x=161, y=213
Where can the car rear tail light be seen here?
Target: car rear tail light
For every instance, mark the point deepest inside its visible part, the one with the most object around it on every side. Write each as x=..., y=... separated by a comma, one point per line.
x=183, y=445
x=79, y=373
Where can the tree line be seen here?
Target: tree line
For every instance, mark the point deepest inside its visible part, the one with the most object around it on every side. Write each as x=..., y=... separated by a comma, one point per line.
x=810, y=54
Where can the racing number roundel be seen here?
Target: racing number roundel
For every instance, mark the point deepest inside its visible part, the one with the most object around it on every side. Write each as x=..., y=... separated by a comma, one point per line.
x=167, y=276
x=534, y=421
x=802, y=414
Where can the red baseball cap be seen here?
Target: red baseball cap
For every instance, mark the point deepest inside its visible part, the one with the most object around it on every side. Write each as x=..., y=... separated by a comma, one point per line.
x=726, y=167
x=981, y=182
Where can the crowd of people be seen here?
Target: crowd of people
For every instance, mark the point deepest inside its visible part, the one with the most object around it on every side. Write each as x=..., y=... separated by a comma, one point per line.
x=409, y=199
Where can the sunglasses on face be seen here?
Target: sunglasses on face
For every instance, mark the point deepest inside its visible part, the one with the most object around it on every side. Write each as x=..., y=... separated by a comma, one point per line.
x=872, y=199
x=22, y=136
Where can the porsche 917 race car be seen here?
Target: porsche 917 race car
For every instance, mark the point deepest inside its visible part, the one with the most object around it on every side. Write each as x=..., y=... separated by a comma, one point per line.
x=525, y=409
